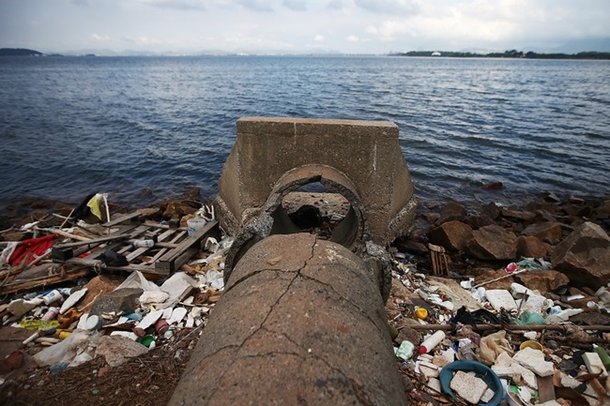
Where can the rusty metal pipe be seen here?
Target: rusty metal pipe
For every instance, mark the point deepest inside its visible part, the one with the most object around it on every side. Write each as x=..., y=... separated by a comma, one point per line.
x=301, y=321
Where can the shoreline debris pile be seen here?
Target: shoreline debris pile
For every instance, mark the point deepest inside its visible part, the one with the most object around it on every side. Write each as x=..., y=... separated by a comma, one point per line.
x=496, y=304
x=523, y=314
x=87, y=286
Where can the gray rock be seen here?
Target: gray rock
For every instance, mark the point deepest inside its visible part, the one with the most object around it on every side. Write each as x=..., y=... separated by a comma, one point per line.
x=584, y=256
x=493, y=243
x=547, y=231
x=453, y=235
x=125, y=300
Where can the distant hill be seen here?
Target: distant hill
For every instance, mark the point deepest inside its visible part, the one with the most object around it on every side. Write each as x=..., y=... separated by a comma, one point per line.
x=19, y=52
x=508, y=54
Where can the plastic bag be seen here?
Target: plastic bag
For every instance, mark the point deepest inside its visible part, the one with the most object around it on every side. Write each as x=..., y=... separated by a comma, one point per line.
x=492, y=346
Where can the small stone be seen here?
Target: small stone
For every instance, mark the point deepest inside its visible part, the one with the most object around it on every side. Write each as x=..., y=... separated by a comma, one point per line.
x=494, y=185
x=117, y=349
x=121, y=300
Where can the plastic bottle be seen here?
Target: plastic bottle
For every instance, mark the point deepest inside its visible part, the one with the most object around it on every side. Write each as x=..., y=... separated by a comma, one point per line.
x=51, y=314
x=142, y=243
x=52, y=297
x=431, y=342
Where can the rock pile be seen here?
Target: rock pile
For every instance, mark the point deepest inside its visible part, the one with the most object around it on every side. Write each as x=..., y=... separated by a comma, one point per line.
x=524, y=316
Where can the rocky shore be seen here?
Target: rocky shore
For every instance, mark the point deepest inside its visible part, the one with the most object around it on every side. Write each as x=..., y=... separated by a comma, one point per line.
x=556, y=248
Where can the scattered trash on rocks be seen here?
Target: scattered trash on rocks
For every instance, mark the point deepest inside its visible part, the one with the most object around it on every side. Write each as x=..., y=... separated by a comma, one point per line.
x=531, y=330
x=473, y=319
x=113, y=287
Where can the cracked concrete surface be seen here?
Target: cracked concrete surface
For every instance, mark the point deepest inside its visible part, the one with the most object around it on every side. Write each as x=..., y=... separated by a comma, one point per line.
x=301, y=322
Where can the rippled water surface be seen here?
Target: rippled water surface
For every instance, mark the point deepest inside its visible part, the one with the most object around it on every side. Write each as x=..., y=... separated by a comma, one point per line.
x=72, y=126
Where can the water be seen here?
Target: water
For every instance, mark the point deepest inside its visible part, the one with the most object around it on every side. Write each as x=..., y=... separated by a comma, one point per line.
x=72, y=126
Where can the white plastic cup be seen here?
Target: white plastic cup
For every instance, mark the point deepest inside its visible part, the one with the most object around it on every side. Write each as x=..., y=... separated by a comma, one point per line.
x=194, y=224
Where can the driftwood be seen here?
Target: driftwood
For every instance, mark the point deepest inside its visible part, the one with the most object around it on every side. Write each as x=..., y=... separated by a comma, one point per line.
x=39, y=283
x=92, y=242
x=501, y=277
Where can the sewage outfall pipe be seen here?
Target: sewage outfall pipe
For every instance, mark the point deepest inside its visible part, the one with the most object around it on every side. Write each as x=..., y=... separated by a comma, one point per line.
x=302, y=322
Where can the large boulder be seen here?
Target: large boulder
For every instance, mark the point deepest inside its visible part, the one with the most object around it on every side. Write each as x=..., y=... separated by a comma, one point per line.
x=543, y=281
x=484, y=275
x=547, y=231
x=493, y=243
x=518, y=215
x=452, y=211
x=453, y=235
x=584, y=256
x=529, y=246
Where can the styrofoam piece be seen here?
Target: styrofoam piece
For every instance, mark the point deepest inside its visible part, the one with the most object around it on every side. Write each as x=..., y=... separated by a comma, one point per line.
x=501, y=299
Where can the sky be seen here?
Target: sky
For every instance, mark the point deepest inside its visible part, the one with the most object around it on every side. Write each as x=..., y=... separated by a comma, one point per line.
x=304, y=27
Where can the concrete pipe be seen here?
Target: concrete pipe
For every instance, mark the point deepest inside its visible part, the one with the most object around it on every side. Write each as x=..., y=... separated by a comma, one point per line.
x=301, y=321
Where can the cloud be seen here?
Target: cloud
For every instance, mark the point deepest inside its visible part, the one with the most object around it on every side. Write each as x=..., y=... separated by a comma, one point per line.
x=352, y=38
x=319, y=38
x=255, y=5
x=389, y=6
x=98, y=37
x=296, y=5
x=335, y=5
x=185, y=5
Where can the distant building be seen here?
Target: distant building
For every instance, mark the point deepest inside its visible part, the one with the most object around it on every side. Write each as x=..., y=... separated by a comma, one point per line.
x=436, y=53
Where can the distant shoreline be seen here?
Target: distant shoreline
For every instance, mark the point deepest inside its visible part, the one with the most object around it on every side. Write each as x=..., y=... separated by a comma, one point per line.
x=514, y=54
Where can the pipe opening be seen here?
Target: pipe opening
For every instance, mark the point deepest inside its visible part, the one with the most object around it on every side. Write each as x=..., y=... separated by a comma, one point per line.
x=317, y=206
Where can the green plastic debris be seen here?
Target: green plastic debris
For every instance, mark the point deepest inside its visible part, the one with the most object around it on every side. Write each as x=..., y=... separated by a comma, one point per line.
x=405, y=351
x=528, y=317
x=35, y=325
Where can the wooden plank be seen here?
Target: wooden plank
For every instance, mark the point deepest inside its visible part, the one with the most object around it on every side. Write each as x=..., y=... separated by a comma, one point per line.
x=40, y=283
x=144, y=268
x=94, y=241
x=175, y=258
x=122, y=219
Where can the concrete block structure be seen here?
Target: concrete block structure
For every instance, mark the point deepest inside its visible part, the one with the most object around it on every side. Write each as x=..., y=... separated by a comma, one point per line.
x=361, y=160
